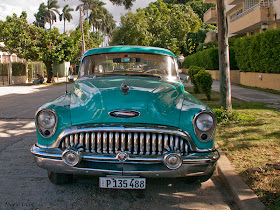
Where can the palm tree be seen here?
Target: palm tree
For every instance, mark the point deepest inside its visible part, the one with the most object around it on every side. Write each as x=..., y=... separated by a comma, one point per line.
x=103, y=21
x=52, y=8
x=66, y=14
x=41, y=16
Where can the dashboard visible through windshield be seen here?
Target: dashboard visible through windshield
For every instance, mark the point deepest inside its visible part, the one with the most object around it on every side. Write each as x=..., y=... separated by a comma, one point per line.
x=139, y=64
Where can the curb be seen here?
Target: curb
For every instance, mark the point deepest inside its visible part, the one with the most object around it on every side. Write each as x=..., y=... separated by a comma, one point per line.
x=243, y=196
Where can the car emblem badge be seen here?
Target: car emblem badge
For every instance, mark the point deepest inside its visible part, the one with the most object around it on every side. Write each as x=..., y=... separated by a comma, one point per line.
x=125, y=88
x=124, y=113
x=122, y=156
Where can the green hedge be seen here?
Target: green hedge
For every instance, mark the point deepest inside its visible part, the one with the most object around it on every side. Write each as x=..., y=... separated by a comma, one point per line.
x=3, y=69
x=259, y=53
x=208, y=59
x=18, y=69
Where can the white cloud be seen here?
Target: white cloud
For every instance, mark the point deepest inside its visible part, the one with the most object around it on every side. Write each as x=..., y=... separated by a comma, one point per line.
x=8, y=7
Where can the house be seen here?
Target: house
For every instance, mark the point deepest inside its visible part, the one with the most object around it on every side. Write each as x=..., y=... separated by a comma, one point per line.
x=247, y=17
x=7, y=57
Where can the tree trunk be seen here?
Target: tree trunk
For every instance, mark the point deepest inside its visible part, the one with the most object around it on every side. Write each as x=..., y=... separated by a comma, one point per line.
x=224, y=66
x=49, y=70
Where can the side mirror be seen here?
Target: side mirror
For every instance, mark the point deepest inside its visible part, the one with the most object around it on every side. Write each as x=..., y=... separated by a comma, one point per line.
x=180, y=58
x=186, y=79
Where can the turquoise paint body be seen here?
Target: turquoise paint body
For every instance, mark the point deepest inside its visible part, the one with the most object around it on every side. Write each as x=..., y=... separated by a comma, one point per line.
x=160, y=102
x=129, y=49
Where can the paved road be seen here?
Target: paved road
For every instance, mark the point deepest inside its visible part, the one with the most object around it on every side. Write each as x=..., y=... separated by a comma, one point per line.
x=21, y=102
x=26, y=186
x=246, y=94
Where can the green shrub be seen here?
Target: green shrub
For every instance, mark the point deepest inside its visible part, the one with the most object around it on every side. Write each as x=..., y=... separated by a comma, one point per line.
x=193, y=70
x=204, y=81
x=224, y=116
x=3, y=69
x=18, y=69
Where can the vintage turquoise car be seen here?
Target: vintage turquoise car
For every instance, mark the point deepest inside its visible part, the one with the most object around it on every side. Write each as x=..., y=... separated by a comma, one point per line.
x=127, y=118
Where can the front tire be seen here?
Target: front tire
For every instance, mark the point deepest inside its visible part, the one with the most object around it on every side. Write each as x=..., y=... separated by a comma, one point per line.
x=59, y=179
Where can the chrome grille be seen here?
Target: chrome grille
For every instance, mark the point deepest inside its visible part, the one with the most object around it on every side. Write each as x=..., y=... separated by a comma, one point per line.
x=137, y=143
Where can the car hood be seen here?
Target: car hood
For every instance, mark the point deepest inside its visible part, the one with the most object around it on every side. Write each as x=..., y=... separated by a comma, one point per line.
x=158, y=101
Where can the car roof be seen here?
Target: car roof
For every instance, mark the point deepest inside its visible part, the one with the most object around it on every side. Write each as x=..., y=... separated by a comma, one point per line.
x=127, y=48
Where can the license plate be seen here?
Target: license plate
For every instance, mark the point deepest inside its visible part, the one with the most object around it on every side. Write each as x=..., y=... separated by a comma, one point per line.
x=122, y=182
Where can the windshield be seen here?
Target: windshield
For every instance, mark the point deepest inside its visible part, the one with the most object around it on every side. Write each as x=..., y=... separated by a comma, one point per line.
x=138, y=64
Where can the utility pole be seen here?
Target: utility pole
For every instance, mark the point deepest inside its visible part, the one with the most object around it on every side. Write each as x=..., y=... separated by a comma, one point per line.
x=224, y=66
x=82, y=30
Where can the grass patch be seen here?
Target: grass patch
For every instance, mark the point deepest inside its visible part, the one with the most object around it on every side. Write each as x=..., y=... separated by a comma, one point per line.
x=252, y=143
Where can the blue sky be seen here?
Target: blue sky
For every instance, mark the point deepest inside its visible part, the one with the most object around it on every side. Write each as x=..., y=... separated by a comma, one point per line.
x=8, y=7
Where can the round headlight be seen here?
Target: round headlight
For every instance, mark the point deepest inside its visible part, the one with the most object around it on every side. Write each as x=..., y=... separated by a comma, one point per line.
x=204, y=122
x=46, y=119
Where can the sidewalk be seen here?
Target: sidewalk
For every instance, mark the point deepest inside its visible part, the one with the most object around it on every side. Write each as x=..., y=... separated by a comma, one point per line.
x=246, y=94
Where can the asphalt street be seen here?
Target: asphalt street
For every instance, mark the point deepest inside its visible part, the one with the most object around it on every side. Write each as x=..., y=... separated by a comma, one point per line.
x=23, y=185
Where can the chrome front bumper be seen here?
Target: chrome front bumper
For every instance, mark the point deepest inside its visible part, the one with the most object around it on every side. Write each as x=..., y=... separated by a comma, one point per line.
x=107, y=164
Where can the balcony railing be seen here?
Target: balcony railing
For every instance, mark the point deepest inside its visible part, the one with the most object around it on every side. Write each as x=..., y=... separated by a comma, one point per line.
x=266, y=3
x=209, y=10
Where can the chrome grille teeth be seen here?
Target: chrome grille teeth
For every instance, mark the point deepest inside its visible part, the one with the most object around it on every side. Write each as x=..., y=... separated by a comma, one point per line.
x=137, y=143
x=129, y=142
x=117, y=142
x=135, y=151
x=142, y=143
x=172, y=142
x=76, y=139
x=87, y=142
x=181, y=145
x=154, y=144
x=72, y=143
x=81, y=140
x=123, y=142
x=104, y=142
x=165, y=144
x=67, y=142
x=93, y=142
x=160, y=144
x=148, y=143
x=99, y=142
x=111, y=144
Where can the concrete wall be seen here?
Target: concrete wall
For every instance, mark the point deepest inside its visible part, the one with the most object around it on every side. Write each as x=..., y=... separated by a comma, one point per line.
x=262, y=80
x=234, y=75
x=15, y=80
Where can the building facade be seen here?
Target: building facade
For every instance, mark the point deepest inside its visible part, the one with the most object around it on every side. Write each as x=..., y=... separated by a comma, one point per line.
x=247, y=17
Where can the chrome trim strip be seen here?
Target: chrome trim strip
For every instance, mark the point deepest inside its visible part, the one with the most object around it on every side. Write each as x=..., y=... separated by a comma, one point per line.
x=57, y=154
x=59, y=166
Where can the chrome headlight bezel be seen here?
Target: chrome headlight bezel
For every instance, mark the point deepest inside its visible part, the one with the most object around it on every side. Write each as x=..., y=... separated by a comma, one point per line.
x=204, y=135
x=46, y=132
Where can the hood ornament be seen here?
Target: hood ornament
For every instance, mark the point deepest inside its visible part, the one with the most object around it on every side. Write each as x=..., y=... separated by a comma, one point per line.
x=125, y=88
x=124, y=113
